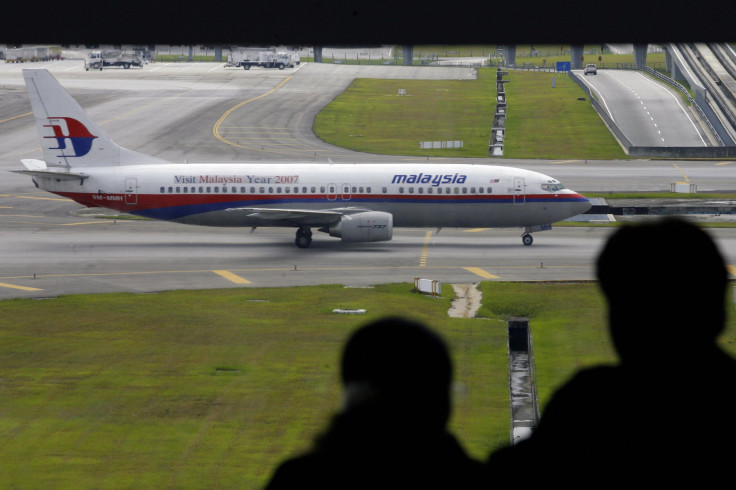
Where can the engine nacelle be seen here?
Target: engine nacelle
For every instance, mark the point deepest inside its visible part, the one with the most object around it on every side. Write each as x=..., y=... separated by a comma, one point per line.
x=370, y=226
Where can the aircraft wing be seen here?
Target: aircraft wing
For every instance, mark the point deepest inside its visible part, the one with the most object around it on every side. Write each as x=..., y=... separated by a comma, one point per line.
x=306, y=217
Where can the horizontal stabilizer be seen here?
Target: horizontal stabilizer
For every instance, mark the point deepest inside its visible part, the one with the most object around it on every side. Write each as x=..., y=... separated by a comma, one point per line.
x=52, y=175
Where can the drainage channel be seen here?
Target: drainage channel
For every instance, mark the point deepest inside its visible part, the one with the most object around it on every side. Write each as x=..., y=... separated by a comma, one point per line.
x=522, y=392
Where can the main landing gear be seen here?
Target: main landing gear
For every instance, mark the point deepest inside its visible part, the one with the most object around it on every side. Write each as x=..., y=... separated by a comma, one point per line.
x=303, y=237
x=527, y=239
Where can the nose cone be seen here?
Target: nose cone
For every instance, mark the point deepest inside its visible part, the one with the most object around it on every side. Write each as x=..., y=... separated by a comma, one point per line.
x=579, y=204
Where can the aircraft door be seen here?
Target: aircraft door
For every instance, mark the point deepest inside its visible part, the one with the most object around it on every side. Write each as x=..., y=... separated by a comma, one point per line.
x=346, y=192
x=131, y=191
x=519, y=190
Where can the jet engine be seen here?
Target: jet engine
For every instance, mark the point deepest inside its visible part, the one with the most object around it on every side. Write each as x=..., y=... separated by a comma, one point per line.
x=370, y=226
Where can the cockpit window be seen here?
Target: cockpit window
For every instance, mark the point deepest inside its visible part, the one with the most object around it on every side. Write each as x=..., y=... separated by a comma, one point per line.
x=552, y=187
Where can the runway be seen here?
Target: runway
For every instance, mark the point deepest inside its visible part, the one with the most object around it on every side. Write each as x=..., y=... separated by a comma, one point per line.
x=51, y=247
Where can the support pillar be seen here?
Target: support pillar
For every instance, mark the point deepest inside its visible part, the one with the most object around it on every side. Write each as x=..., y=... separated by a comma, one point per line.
x=577, y=56
x=509, y=54
x=640, y=55
x=318, y=54
x=408, y=55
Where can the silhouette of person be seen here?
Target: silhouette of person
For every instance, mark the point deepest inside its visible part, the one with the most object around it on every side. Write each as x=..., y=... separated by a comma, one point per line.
x=663, y=415
x=391, y=432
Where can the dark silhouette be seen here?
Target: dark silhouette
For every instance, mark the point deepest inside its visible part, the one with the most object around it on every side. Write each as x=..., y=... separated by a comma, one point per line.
x=664, y=414
x=392, y=431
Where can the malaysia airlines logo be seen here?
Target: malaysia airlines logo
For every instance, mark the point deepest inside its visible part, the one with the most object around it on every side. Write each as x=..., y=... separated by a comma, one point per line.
x=67, y=128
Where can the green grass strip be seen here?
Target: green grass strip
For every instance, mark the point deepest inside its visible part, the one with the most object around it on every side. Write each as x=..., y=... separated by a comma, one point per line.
x=192, y=389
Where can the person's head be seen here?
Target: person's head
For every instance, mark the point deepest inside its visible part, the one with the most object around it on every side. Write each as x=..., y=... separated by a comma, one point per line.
x=399, y=364
x=665, y=283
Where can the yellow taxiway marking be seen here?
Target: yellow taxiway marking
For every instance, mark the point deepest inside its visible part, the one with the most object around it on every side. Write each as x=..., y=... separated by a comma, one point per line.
x=42, y=198
x=22, y=288
x=84, y=223
x=425, y=249
x=480, y=272
x=731, y=269
x=15, y=117
x=232, y=277
x=723, y=163
x=564, y=161
x=216, y=128
x=684, y=176
x=475, y=230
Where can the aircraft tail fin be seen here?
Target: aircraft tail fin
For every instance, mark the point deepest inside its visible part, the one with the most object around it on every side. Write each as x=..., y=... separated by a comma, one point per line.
x=69, y=136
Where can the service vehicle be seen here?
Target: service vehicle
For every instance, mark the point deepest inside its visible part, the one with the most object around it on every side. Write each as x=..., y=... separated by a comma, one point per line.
x=97, y=60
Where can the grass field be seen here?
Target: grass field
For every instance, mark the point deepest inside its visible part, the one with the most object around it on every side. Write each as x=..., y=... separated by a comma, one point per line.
x=542, y=121
x=192, y=389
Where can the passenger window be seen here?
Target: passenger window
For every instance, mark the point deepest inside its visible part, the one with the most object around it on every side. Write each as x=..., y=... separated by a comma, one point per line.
x=163, y=190
x=490, y=190
x=465, y=190
x=384, y=190
x=429, y=190
x=401, y=190
x=457, y=190
x=368, y=190
x=420, y=190
x=411, y=190
x=262, y=190
x=217, y=189
x=201, y=190
x=186, y=189
x=171, y=190
x=472, y=190
x=178, y=190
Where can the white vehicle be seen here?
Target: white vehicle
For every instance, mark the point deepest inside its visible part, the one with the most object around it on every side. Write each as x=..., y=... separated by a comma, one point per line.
x=263, y=57
x=590, y=68
x=357, y=203
x=97, y=60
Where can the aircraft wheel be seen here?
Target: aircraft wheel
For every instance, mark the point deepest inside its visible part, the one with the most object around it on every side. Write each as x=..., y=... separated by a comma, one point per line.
x=303, y=241
x=527, y=239
x=303, y=237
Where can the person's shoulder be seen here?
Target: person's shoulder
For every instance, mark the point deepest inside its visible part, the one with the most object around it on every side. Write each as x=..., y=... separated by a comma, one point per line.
x=295, y=472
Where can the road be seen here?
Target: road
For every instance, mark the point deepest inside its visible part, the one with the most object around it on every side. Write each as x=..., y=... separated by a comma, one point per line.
x=648, y=112
x=52, y=247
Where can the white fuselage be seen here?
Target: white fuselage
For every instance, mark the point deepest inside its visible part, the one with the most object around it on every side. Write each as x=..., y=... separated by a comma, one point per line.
x=417, y=195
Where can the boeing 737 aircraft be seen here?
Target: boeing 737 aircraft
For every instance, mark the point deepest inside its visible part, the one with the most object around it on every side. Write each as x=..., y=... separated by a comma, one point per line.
x=355, y=202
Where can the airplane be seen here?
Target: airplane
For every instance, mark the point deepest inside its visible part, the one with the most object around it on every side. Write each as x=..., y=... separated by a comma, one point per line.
x=354, y=202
